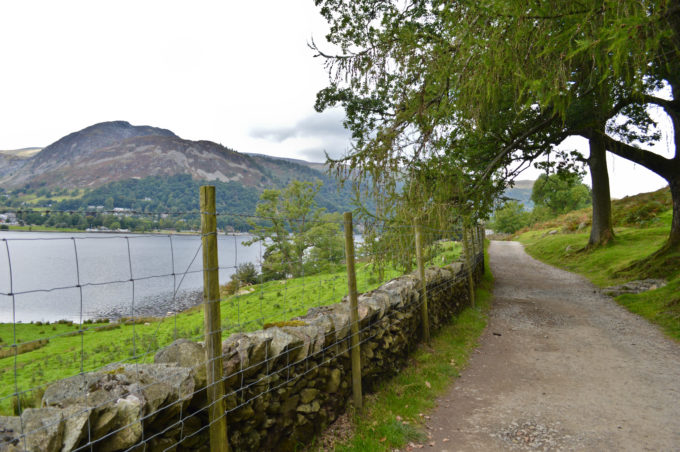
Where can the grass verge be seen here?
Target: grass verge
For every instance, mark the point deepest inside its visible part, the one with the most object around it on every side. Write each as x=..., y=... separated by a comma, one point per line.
x=393, y=416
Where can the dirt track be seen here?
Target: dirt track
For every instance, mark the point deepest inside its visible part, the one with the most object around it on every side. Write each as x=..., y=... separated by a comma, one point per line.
x=560, y=367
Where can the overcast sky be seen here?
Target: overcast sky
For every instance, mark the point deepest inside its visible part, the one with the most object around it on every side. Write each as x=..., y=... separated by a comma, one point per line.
x=237, y=73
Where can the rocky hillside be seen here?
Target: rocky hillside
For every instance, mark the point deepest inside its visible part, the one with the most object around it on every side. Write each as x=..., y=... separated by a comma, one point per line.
x=117, y=150
x=149, y=168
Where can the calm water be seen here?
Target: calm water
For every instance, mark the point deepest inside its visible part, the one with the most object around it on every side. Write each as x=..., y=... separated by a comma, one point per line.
x=45, y=273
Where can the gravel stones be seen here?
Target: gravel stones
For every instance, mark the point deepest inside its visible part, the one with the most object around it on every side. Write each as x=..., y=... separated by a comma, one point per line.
x=531, y=435
x=634, y=287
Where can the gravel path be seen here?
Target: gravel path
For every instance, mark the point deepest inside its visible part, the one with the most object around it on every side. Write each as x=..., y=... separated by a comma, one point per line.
x=560, y=367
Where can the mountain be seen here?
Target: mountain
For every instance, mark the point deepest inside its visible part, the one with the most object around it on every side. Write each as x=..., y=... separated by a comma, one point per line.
x=13, y=160
x=521, y=192
x=313, y=165
x=131, y=163
x=21, y=153
x=117, y=150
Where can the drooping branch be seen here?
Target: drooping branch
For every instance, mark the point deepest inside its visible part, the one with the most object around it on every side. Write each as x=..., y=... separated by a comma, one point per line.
x=513, y=145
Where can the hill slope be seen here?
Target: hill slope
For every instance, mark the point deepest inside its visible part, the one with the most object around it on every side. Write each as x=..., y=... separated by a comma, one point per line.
x=113, y=151
x=109, y=157
x=521, y=192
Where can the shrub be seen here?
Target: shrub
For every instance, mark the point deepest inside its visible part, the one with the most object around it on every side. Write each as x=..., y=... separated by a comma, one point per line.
x=510, y=218
x=23, y=348
x=643, y=214
x=245, y=274
x=110, y=326
x=29, y=399
x=231, y=287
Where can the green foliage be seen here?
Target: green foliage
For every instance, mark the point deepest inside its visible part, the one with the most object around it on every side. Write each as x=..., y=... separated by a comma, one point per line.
x=643, y=210
x=414, y=390
x=510, y=218
x=293, y=226
x=474, y=90
x=560, y=193
x=104, y=342
x=327, y=245
x=245, y=274
x=159, y=194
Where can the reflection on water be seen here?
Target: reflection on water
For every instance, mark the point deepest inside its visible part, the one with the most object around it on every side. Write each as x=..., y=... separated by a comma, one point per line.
x=65, y=275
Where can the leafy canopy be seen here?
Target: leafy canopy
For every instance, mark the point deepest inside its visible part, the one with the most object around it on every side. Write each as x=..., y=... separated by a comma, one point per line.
x=299, y=238
x=560, y=193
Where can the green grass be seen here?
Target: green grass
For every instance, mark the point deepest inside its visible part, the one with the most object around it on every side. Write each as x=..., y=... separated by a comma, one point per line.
x=631, y=256
x=38, y=228
x=661, y=306
x=603, y=265
x=34, y=199
x=393, y=416
x=92, y=346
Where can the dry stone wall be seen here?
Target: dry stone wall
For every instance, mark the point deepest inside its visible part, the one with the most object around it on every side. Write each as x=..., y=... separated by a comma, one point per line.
x=283, y=384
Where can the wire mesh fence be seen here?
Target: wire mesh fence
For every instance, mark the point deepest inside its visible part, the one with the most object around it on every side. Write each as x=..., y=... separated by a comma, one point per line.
x=102, y=336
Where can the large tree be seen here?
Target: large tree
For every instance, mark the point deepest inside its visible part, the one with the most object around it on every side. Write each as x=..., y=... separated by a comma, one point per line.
x=414, y=75
x=286, y=218
x=560, y=193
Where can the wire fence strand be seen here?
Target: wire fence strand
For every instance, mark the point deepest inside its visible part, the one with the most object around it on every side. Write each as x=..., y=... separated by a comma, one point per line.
x=82, y=341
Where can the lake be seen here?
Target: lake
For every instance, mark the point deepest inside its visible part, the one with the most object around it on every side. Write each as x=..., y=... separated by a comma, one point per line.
x=113, y=275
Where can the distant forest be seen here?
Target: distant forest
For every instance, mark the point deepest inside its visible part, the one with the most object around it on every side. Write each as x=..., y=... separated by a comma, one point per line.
x=175, y=195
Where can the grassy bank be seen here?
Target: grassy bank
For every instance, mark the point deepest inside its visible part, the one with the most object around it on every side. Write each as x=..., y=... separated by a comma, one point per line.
x=74, y=348
x=393, y=416
x=36, y=228
x=629, y=257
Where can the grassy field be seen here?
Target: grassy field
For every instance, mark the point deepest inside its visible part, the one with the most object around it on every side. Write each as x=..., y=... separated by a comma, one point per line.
x=38, y=228
x=74, y=348
x=393, y=416
x=631, y=256
x=33, y=199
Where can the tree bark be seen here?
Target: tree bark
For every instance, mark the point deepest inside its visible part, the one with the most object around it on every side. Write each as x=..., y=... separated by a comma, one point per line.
x=674, y=237
x=669, y=169
x=602, y=230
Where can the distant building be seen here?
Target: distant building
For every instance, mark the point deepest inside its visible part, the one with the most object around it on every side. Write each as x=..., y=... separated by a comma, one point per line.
x=8, y=218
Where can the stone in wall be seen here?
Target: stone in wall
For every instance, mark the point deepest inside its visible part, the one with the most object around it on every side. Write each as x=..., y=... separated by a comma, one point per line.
x=283, y=384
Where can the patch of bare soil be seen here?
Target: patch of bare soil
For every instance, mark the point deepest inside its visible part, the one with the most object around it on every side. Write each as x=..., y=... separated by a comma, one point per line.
x=338, y=432
x=560, y=367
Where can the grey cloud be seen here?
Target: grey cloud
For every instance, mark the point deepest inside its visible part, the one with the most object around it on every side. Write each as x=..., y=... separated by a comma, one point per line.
x=324, y=126
x=335, y=148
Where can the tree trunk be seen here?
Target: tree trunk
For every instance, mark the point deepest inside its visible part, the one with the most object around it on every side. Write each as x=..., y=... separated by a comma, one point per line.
x=602, y=230
x=674, y=238
x=669, y=169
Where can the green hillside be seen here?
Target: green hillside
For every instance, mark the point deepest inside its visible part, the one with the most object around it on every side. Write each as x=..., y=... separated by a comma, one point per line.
x=170, y=194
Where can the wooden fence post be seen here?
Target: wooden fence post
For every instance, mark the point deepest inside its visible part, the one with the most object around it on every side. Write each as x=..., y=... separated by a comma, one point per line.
x=423, y=281
x=480, y=239
x=212, y=324
x=475, y=239
x=353, y=312
x=468, y=263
